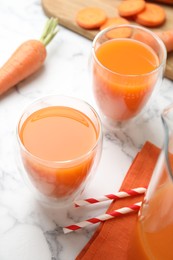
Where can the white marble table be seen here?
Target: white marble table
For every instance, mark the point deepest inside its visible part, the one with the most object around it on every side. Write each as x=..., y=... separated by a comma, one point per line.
x=29, y=230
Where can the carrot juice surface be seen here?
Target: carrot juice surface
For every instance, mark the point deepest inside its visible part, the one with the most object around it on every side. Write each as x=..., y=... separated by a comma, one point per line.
x=122, y=77
x=55, y=135
x=127, y=57
x=58, y=134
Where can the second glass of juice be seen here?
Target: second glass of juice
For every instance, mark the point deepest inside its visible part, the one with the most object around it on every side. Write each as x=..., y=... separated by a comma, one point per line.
x=60, y=140
x=128, y=62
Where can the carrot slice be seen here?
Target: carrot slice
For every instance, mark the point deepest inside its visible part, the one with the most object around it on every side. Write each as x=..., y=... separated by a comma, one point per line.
x=116, y=33
x=129, y=8
x=90, y=17
x=153, y=15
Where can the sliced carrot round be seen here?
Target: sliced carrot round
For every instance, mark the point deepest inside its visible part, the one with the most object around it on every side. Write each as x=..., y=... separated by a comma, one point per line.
x=90, y=17
x=113, y=21
x=119, y=32
x=153, y=15
x=129, y=8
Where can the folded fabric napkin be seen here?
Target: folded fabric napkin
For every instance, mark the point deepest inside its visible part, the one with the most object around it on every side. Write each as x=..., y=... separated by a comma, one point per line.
x=111, y=240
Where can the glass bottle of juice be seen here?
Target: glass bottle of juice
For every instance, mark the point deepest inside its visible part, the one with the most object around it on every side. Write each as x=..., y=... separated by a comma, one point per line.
x=153, y=235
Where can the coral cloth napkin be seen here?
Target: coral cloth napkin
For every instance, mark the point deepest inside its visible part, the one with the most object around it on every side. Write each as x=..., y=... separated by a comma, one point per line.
x=112, y=238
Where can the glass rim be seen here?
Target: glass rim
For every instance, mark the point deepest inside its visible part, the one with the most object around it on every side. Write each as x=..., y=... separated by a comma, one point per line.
x=60, y=162
x=134, y=27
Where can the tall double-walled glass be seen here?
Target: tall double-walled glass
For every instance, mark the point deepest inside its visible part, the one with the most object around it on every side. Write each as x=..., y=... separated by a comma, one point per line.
x=128, y=62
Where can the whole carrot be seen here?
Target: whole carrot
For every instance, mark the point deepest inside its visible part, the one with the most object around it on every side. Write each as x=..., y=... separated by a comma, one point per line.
x=27, y=59
x=167, y=38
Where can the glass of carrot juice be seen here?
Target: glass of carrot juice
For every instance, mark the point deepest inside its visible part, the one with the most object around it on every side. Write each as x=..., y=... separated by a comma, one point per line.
x=128, y=62
x=60, y=141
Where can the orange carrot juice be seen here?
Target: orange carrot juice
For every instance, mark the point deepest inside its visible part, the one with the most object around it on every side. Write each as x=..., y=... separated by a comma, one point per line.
x=57, y=140
x=153, y=237
x=121, y=77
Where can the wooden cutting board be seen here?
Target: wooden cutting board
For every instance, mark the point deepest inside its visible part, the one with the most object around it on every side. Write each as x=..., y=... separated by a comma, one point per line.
x=66, y=10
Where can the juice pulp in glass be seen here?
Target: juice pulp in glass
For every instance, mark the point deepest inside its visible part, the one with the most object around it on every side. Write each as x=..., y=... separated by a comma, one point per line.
x=120, y=86
x=57, y=139
x=153, y=237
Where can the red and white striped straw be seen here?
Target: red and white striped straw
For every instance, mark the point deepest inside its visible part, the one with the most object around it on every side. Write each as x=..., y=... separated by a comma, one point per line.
x=116, y=196
x=116, y=213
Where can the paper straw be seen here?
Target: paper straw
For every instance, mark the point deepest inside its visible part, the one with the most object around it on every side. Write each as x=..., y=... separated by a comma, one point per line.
x=116, y=213
x=116, y=196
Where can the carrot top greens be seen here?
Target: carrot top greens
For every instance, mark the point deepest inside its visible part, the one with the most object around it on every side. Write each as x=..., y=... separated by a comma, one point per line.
x=50, y=30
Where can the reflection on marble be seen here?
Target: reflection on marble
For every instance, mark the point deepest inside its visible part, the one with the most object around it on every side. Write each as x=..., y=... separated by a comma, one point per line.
x=29, y=230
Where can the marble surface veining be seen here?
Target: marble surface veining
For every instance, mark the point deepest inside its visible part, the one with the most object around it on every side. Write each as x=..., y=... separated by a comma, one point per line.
x=29, y=230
